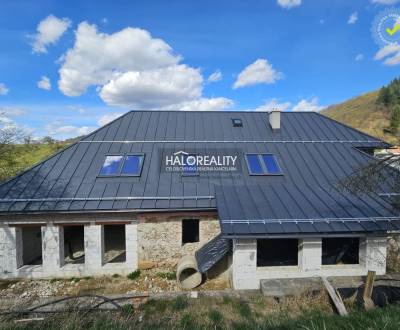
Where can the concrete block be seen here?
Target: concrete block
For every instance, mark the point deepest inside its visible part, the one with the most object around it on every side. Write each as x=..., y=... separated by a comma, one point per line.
x=244, y=265
x=53, y=248
x=10, y=251
x=131, y=246
x=94, y=246
x=373, y=254
x=310, y=254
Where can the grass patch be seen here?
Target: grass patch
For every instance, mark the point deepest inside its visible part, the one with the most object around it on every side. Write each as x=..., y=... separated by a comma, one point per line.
x=167, y=275
x=215, y=317
x=128, y=309
x=244, y=309
x=115, y=275
x=179, y=303
x=306, y=312
x=134, y=275
x=187, y=321
x=155, y=306
x=75, y=279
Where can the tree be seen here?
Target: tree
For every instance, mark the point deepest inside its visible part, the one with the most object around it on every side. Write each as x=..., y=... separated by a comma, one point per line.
x=395, y=118
x=48, y=140
x=10, y=135
x=385, y=96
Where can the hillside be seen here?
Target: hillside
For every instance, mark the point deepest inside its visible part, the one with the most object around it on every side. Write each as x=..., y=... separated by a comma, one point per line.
x=363, y=113
x=23, y=156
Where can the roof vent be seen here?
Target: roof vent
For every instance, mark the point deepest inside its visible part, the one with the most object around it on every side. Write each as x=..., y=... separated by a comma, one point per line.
x=237, y=122
x=275, y=119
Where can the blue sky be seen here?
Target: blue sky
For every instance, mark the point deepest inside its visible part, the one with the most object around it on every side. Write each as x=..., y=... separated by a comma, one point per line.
x=299, y=55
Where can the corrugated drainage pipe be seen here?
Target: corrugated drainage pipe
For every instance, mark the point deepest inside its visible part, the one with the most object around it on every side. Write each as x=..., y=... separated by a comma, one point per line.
x=187, y=274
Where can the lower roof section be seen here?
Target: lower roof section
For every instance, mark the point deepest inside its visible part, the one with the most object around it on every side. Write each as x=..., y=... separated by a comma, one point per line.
x=289, y=210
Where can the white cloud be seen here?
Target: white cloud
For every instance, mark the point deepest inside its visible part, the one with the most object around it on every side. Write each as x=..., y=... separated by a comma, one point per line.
x=289, y=3
x=77, y=108
x=215, y=76
x=49, y=31
x=153, y=89
x=359, y=57
x=3, y=89
x=130, y=68
x=273, y=104
x=353, y=18
x=385, y=2
x=256, y=73
x=57, y=129
x=203, y=104
x=107, y=118
x=44, y=83
x=7, y=119
x=390, y=54
x=97, y=57
x=13, y=111
x=305, y=105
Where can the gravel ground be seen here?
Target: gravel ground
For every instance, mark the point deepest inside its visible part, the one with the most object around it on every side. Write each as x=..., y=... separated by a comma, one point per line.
x=151, y=281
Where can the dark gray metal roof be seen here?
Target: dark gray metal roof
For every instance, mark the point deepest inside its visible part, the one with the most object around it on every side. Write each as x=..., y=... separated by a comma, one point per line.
x=311, y=149
x=279, y=209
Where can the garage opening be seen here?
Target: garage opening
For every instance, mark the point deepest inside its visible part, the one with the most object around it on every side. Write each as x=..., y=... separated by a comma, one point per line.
x=277, y=252
x=114, y=243
x=32, y=245
x=340, y=251
x=74, y=245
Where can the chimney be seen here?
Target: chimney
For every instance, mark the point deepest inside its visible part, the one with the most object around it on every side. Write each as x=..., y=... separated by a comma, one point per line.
x=275, y=119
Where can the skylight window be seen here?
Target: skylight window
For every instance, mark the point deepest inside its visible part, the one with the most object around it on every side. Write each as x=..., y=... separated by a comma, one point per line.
x=254, y=164
x=237, y=122
x=271, y=164
x=122, y=165
x=263, y=164
x=112, y=165
x=132, y=165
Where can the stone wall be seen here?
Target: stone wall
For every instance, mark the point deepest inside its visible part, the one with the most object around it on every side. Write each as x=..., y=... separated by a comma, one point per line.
x=160, y=238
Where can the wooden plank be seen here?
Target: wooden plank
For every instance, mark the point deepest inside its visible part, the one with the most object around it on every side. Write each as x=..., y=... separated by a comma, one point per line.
x=368, y=288
x=335, y=296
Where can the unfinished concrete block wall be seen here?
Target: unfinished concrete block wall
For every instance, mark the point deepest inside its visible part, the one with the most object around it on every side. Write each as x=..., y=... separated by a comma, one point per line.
x=94, y=246
x=53, y=250
x=160, y=238
x=10, y=250
x=310, y=251
x=373, y=254
x=246, y=274
x=131, y=246
x=244, y=264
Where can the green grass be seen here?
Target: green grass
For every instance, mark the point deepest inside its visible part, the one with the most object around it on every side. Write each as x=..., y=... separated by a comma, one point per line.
x=179, y=303
x=214, y=314
x=134, y=275
x=167, y=275
x=26, y=155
